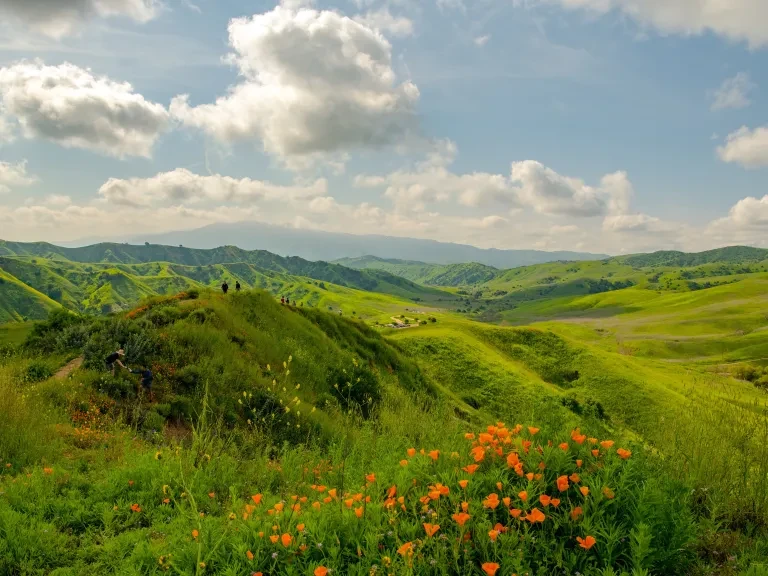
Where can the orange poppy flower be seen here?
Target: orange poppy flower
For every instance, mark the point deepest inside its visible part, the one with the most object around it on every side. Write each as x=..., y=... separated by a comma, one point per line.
x=321, y=488
x=349, y=502
x=493, y=534
x=211, y=495
x=533, y=431
x=575, y=513
x=327, y=499
x=523, y=495
x=392, y=491
x=535, y=515
x=434, y=454
x=135, y=508
x=256, y=499
x=563, y=446
x=195, y=534
x=513, y=459
x=471, y=468
x=320, y=571
x=579, y=463
x=359, y=512
x=587, y=542
x=469, y=436
x=492, y=501
x=608, y=493
x=555, y=502
x=515, y=512
x=430, y=529
x=403, y=462
x=300, y=527
x=406, y=548
x=286, y=540
x=249, y=555
x=562, y=483
x=274, y=538
x=461, y=518
x=490, y=568
x=544, y=499
x=607, y=444
x=411, y=452
x=370, y=478
x=526, y=445
x=485, y=438
x=575, y=478
x=584, y=490
x=623, y=454
x=529, y=476
x=279, y=506
x=332, y=493
x=478, y=453
x=507, y=501
x=463, y=484
x=499, y=485
x=595, y=453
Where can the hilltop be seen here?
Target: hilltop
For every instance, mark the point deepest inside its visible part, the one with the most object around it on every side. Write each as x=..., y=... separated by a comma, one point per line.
x=424, y=273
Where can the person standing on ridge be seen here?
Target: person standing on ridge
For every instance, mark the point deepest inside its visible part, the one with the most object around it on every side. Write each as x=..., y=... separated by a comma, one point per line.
x=282, y=299
x=113, y=359
x=225, y=287
x=237, y=286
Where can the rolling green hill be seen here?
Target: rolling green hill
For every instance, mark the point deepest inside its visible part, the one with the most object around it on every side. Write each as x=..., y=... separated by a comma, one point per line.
x=20, y=302
x=424, y=273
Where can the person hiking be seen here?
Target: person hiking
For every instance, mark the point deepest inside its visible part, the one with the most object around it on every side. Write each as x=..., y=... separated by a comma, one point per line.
x=113, y=359
x=237, y=286
x=145, y=382
x=225, y=287
x=282, y=299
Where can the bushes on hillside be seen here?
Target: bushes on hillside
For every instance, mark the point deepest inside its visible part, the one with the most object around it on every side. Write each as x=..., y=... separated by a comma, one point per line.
x=355, y=388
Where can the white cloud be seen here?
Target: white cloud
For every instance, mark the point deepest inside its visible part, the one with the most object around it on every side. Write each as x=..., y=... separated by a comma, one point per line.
x=69, y=106
x=749, y=213
x=181, y=186
x=733, y=93
x=57, y=18
x=746, y=147
x=57, y=200
x=482, y=40
x=314, y=83
x=741, y=20
x=384, y=21
x=14, y=176
x=451, y=5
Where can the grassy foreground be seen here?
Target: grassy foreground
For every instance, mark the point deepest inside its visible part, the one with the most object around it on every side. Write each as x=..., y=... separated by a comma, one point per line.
x=293, y=441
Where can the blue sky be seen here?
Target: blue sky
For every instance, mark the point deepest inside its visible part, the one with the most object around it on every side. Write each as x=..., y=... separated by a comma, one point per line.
x=604, y=125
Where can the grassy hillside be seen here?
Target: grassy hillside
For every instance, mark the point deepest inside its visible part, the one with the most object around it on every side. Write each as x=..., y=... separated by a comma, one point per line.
x=130, y=255
x=427, y=274
x=289, y=440
x=20, y=302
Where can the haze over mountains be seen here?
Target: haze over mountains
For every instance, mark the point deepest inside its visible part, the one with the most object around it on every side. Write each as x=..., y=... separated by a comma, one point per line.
x=329, y=246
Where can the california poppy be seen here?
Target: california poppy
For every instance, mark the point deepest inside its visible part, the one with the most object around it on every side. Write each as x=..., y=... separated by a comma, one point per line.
x=405, y=549
x=274, y=538
x=470, y=468
x=492, y=501
x=370, y=478
x=493, y=534
x=461, y=518
x=533, y=431
x=584, y=490
x=249, y=555
x=478, y=453
x=463, y=484
x=320, y=571
x=562, y=483
x=555, y=502
x=623, y=454
x=411, y=452
x=587, y=542
x=195, y=534
x=575, y=478
x=286, y=540
x=575, y=513
x=490, y=568
x=608, y=493
x=563, y=446
x=300, y=527
x=606, y=444
x=434, y=454
x=535, y=515
x=430, y=529
x=256, y=499
x=403, y=462
x=359, y=512
x=523, y=495
x=544, y=499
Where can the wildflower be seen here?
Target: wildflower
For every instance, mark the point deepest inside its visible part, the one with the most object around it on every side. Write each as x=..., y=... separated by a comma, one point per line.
x=564, y=446
x=359, y=512
x=575, y=513
x=523, y=495
x=286, y=540
x=279, y=506
x=470, y=468
x=608, y=493
x=513, y=459
x=202, y=565
x=195, y=534
x=461, y=518
x=256, y=499
x=562, y=483
x=515, y=512
x=492, y=501
x=434, y=454
x=135, y=508
x=249, y=555
x=587, y=542
x=166, y=500
x=211, y=495
x=431, y=529
x=575, y=478
x=316, y=505
x=464, y=506
x=158, y=455
x=595, y=453
x=130, y=482
x=300, y=527
x=411, y=452
x=533, y=431
x=490, y=568
x=607, y=444
x=623, y=454
x=403, y=462
x=469, y=436
x=535, y=515
x=274, y=538
x=320, y=571
x=332, y=493
x=493, y=534
x=579, y=463
x=555, y=502
x=544, y=499
x=370, y=478
x=463, y=484
x=478, y=453
x=584, y=490
x=498, y=485
x=507, y=501
x=406, y=548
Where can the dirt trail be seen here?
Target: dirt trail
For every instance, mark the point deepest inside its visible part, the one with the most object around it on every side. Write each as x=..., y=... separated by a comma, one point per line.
x=70, y=367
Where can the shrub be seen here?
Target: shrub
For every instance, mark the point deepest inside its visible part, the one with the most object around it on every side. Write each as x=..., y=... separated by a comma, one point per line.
x=37, y=372
x=355, y=389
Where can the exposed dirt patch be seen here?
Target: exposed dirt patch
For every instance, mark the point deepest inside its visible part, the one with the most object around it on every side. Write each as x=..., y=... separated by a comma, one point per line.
x=67, y=369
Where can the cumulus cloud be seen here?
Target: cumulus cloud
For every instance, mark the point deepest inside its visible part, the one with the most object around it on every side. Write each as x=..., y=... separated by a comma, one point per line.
x=70, y=106
x=733, y=93
x=741, y=20
x=482, y=40
x=384, y=21
x=746, y=147
x=57, y=18
x=749, y=213
x=313, y=82
x=181, y=186
x=14, y=176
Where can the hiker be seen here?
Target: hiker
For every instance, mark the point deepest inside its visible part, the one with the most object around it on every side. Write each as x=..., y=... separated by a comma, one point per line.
x=145, y=382
x=225, y=287
x=237, y=286
x=282, y=299
x=113, y=359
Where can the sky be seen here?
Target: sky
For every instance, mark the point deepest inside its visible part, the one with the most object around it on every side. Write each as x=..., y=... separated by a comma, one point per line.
x=610, y=126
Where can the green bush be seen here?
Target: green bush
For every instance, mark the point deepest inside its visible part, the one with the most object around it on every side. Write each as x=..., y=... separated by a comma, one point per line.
x=355, y=388
x=37, y=371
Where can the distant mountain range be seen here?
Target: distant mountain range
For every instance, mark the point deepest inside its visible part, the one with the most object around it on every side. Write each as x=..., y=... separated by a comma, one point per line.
x=329, y=246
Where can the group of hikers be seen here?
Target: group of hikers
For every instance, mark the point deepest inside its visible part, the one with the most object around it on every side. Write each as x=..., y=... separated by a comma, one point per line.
x=225, y=287
x=145, y=380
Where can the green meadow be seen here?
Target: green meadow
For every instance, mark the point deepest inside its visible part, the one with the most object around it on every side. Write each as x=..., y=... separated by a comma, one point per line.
x=595, y=418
